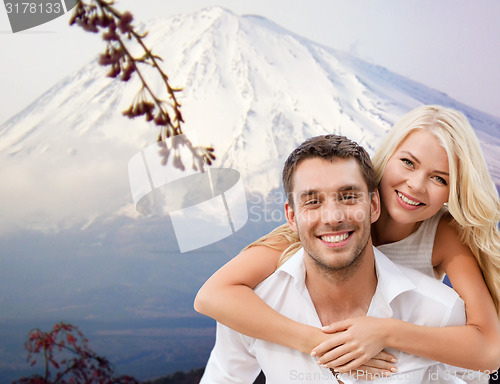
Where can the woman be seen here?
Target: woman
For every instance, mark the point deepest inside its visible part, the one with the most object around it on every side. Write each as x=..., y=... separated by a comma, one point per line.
x=439, y=214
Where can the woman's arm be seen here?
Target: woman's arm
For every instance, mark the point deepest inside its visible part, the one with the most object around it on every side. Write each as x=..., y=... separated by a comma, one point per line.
x=228, y=297
x=475, y=346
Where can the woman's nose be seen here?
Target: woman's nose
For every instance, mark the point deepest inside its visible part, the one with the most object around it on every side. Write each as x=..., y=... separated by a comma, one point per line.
x=416, y=182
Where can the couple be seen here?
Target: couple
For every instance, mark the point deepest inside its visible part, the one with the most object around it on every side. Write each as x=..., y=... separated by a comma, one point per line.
x=340, y=278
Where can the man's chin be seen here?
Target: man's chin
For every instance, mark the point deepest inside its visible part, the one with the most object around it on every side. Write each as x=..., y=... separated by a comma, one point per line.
x=333, y=262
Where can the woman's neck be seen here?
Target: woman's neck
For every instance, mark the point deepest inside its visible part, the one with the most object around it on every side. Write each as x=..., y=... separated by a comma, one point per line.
x=386, y=230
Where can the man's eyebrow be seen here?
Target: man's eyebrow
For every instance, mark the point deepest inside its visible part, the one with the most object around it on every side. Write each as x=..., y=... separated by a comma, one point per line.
x=415, y=159
x=308, y=192
x=348, y=188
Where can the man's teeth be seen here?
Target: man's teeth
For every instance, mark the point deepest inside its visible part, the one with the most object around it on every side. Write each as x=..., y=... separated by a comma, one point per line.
x=407, y=200
x=336, y=238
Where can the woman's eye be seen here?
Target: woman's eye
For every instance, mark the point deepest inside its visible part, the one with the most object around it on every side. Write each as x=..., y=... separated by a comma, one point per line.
x=407, y=162
x=440, y=180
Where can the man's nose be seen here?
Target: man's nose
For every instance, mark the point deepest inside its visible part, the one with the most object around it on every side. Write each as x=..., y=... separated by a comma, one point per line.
x=333, y=212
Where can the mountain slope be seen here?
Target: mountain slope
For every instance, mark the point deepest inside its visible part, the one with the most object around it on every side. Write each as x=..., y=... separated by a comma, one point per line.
x=251, y=89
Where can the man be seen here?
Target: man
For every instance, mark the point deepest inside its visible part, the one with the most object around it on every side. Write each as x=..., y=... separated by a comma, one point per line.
x=332, y=201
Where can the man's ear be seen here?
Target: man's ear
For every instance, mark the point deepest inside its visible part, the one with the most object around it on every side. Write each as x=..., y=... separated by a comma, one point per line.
x=290, y=216
x=375, y=206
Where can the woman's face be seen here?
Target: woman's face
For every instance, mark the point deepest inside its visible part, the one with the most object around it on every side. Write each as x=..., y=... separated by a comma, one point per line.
x=415, y=183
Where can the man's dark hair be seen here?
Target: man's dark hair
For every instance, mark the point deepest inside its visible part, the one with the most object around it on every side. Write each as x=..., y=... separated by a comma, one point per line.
x=328, y=147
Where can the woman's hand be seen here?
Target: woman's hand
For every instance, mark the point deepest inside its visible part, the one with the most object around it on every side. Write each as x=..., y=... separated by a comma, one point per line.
x=353, y=343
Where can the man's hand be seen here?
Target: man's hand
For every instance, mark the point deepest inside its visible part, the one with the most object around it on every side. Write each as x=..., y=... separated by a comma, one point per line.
x=379, y=366
x=356, y=344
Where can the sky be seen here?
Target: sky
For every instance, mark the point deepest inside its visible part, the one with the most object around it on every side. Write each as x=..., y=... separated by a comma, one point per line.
x=449, y=45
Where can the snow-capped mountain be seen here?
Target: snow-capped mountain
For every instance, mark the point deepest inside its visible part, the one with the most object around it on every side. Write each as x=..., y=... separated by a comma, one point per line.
x=251, y=89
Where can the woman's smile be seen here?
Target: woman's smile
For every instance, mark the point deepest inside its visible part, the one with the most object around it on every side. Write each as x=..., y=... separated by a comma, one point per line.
x=415, y=181
x=407, y=201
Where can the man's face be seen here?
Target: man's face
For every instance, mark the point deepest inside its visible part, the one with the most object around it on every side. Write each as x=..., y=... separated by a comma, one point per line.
x=333, y=211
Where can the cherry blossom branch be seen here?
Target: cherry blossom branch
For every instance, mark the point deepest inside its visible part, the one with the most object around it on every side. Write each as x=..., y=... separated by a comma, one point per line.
x=118, y=33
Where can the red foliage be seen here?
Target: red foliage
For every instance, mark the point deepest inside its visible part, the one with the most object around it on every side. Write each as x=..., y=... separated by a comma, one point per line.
x=83, y=366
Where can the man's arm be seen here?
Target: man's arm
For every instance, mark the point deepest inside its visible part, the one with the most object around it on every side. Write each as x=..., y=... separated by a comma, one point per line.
x=231, y=360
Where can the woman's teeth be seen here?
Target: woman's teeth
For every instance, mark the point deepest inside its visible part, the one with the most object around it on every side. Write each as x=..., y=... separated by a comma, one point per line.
x=407, y=200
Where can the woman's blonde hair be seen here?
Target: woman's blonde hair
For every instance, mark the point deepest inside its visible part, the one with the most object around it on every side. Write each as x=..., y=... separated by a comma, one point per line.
x=278, y=238
x=473, y=201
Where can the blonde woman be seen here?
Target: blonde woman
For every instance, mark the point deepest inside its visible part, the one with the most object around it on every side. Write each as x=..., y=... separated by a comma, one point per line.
x=440, y=214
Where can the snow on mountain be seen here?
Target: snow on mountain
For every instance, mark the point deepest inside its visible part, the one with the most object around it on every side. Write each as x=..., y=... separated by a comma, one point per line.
x=251, y=89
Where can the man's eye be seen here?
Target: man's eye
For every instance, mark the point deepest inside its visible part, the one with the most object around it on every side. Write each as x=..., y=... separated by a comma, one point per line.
x=312, y=202
x=350, y=198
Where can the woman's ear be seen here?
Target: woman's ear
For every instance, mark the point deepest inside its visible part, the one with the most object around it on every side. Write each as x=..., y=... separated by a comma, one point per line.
x=290, y=216
x=375, y=206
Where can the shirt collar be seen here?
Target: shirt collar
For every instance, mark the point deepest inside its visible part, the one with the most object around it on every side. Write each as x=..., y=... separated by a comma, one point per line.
x=391, y=281
x=296, y=268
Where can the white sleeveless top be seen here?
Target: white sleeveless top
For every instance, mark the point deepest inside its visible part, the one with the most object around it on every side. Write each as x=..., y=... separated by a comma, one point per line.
x=415, y=251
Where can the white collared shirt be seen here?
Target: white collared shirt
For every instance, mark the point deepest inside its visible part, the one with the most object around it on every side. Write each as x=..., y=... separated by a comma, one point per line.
x=401, y=293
